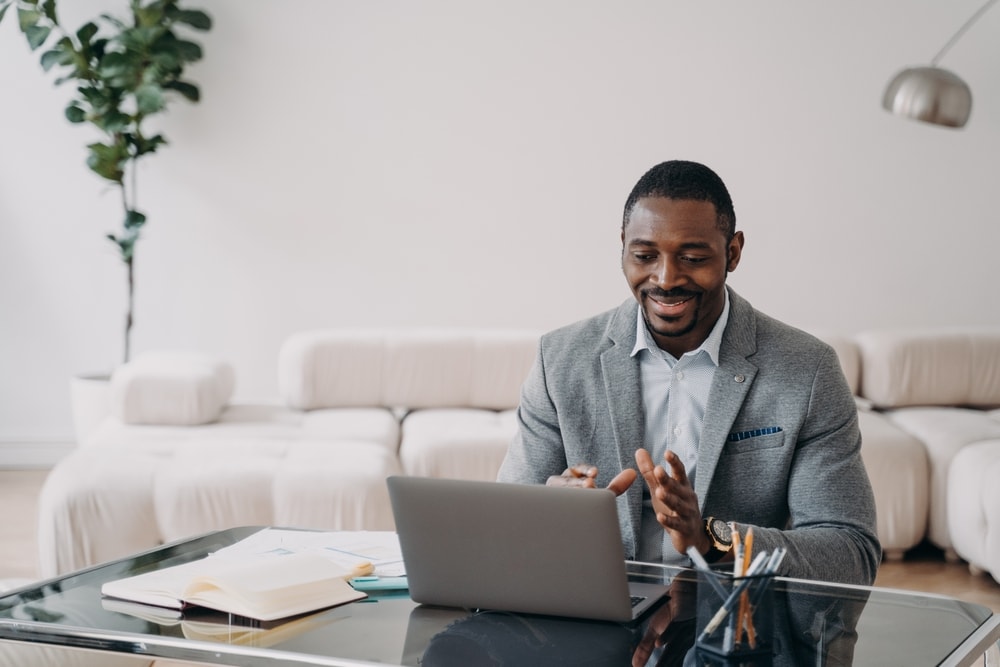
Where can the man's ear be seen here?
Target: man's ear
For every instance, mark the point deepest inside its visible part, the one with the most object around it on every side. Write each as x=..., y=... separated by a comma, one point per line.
x=735, y=251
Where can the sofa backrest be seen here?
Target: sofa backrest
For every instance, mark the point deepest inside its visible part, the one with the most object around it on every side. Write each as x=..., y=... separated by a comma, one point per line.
x=405, y=368
x=902, y=368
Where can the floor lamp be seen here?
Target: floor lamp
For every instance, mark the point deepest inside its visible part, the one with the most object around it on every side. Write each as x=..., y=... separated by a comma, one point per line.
x=932, y=94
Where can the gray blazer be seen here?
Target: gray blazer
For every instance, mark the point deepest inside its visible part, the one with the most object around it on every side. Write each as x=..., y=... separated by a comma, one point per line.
x=780, y=450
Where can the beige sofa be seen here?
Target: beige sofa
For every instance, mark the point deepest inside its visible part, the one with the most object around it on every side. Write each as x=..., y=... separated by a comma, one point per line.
x=177, y=457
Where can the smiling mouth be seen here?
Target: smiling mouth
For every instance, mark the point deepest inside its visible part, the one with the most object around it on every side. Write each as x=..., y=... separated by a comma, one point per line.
x=669, y=305
x=672, y=302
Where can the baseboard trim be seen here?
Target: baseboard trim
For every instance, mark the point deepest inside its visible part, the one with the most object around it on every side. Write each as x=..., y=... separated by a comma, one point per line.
x=33, y=452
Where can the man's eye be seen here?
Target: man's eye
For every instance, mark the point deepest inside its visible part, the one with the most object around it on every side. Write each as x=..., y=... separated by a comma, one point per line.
x=694, y=260
x=644, y=258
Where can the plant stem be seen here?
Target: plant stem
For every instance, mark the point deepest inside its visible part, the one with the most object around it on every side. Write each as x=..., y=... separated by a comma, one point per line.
x=128, y=314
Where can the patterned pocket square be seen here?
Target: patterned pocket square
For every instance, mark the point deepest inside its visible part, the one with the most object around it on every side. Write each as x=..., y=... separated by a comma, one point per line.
x=756, y=433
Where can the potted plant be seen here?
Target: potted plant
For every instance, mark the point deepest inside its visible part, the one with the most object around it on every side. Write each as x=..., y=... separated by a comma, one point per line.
x=124, y=71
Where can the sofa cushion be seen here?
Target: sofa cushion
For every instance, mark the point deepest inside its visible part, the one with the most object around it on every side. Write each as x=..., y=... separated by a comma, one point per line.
x=944, y=432
x=898, y=469
x=249, y=422
x=171, y=388
x=412, y=369
x=974, y=505
x=106, y=502
x=456, y=443
x=337, y=485
x=908, y=368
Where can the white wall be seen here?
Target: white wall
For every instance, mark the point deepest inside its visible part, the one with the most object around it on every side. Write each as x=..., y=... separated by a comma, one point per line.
x=445, y=162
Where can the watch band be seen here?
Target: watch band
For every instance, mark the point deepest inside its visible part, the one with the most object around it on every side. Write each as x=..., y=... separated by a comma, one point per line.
x=714, y=554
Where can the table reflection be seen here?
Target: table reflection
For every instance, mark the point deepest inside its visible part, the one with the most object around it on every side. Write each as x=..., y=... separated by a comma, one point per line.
x=809, y=629
x=30, y=654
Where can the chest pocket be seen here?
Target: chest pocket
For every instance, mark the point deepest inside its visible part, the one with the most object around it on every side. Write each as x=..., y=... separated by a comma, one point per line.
x=754, y=440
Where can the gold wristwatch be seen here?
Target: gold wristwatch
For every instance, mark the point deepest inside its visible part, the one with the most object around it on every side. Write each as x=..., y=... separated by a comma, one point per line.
x=722, y=538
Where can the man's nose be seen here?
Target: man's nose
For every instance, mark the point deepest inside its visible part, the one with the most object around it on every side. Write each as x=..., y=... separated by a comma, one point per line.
x=666, y=274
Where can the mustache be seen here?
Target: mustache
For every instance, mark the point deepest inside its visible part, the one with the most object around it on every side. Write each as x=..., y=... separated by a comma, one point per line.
x=677, y=292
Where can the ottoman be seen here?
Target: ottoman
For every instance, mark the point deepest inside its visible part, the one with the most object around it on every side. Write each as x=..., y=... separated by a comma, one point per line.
x=974, y=505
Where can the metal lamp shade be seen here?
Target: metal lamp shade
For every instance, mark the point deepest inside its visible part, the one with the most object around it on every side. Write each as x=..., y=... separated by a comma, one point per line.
x=930, y=94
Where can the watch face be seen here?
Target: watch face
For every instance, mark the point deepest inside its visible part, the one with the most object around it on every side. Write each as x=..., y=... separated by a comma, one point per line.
x=722, y=532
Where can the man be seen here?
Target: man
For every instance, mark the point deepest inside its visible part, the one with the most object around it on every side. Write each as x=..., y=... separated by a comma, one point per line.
x=751, y=420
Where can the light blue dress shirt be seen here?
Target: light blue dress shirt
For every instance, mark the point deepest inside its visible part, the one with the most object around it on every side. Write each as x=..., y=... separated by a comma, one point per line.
x=674, y=396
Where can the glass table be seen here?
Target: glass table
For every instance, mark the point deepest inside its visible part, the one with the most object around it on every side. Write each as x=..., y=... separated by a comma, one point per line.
x=65, y=621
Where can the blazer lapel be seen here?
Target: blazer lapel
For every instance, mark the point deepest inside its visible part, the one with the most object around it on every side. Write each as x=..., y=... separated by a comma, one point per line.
x=730, y=386
x=623, y=392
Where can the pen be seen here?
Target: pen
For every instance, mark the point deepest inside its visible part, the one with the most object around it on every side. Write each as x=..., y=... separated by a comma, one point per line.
x=734, y=626
x=701, y=564
x=744, y=619
x=772, y=567
x=737, y=549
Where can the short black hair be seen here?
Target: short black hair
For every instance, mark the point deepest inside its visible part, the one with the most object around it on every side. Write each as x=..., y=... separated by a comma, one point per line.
x=681, y=179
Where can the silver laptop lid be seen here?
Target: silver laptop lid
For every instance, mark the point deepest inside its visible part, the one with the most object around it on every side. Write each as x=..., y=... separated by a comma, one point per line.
x=512, y=547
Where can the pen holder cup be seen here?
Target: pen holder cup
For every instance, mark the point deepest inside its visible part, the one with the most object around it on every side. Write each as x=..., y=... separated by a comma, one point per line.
x=735, y=614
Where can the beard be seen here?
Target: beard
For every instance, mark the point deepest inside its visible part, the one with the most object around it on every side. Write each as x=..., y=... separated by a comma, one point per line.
x=672, y=332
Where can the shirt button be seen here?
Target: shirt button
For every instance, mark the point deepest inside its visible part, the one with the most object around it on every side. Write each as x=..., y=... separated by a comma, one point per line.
x=677, y=430
x=680, y=375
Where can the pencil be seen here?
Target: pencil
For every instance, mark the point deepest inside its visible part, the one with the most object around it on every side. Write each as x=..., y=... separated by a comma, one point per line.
x=744, y=620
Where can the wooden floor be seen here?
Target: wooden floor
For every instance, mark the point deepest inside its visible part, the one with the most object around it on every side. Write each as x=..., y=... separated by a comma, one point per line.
x=924, y=568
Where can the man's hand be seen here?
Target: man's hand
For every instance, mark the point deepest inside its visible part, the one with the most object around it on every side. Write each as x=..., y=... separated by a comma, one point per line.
x=671, y=626
x=585, y=476
x=674, y=501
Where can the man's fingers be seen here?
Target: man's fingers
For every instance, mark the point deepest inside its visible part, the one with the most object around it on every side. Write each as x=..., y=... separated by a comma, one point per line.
x=677, y=469
x=622, y=481
x=644, y=461
x=568, y=480
x=581, y=470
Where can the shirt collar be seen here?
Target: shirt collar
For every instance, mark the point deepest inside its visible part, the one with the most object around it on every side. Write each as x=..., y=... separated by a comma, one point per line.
x=711, y=344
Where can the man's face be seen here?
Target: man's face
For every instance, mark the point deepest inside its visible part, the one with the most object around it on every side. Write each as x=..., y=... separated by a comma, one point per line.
x=675, y=258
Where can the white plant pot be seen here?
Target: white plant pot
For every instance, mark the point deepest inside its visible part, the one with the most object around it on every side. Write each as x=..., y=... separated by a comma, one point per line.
x=90, y=397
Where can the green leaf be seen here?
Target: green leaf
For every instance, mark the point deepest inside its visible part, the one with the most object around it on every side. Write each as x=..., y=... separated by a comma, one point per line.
x=188, y=90
x=125, y=245
x=114, y=20
x=187, y=51
x=98, y=47
x=115, y=62
x=144, y=146
x=86, y=32
x=49, y=8
x=111, y=121
x=149, y=99
x=55, y=57
x=75, y=114
x=27, y=18
x=37, y=34
x=151, y=15
x=134, y=220
x=107, y=161
x=195, y=18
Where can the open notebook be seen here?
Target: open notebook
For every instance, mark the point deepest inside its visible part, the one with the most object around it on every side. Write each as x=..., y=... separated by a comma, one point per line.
x=515, y=547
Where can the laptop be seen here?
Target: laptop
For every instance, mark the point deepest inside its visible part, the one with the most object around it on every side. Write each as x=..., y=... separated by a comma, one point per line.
x=517, y=548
